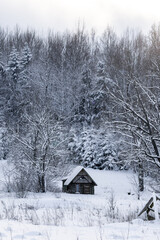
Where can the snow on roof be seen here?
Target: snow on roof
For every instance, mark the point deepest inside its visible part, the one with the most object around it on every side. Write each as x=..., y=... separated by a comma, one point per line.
x=73, y=175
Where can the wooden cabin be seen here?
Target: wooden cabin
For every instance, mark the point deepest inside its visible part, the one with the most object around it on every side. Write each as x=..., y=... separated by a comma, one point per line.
x=79, y=182
x=148, y=209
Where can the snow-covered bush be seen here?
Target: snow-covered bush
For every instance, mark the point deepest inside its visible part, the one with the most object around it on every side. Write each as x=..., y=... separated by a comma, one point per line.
x=96, y=149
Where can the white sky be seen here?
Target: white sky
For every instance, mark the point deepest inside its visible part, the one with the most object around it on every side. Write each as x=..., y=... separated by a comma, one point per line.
x=60, y=15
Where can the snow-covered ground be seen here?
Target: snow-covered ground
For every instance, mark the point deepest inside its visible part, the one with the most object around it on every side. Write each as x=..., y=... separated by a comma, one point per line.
x=133, y=231
x=109, y=214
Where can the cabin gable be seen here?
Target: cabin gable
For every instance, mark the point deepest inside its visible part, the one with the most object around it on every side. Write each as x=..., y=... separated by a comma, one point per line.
x=82, y=177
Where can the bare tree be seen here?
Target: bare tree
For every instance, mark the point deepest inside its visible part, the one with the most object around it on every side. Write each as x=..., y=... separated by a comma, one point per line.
x=40, y=150
x=139, y=118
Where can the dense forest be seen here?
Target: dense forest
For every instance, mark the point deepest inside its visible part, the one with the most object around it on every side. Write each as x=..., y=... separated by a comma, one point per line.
x=79, y=98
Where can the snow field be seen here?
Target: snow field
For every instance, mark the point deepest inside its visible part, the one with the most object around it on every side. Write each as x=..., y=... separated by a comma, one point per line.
x=121, y=231
x=109, y=214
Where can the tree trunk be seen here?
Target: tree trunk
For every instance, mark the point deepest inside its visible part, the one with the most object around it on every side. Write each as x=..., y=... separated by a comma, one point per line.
x=141, y=176
x=43, y=187
x=41, y=182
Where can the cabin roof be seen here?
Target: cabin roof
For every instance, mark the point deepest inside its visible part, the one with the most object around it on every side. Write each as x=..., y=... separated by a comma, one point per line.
x=76, y=171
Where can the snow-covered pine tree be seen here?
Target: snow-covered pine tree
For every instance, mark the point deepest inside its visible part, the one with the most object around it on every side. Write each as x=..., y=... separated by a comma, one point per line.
x=26, y=56
x=97, y=98
x=17, y=86
x=83, y=111
x=96, y=149
x=14, y=66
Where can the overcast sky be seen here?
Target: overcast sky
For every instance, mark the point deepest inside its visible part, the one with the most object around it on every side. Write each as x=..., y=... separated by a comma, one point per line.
x=60, y=15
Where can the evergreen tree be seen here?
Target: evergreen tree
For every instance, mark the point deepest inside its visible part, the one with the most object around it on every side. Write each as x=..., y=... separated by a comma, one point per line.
x=14, y=66
x=96, y=149
x=17, y=87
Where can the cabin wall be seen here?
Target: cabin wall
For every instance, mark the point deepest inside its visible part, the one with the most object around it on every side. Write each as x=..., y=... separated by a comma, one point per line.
x=82, y=188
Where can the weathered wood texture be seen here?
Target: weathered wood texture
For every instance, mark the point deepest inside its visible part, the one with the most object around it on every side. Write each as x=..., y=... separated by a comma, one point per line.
x=149, y=209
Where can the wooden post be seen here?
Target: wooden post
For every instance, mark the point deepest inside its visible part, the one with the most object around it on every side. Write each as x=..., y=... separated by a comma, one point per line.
x=155, y=206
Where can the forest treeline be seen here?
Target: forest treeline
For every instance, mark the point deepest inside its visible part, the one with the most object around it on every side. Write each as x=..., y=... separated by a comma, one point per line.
x=79, y=98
